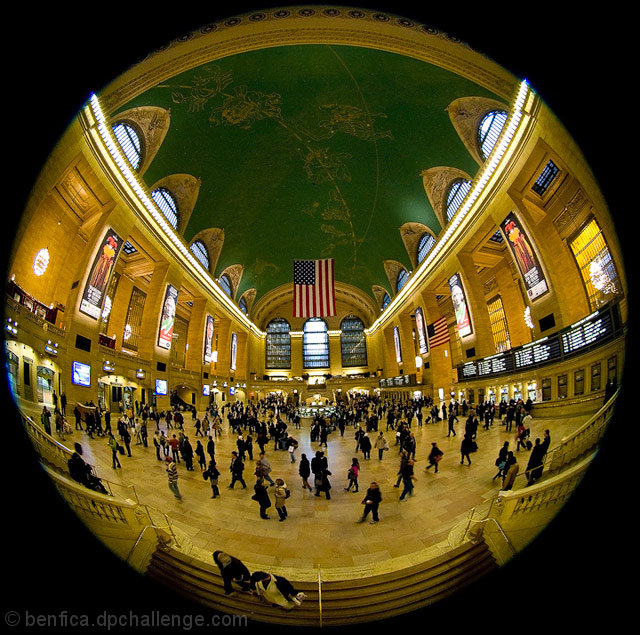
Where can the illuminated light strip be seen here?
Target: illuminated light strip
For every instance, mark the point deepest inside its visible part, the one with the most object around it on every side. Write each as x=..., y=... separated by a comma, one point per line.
x=112, y=146
x=494, y=159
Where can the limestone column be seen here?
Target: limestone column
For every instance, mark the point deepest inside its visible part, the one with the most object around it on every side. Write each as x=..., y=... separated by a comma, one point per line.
x=440, y=371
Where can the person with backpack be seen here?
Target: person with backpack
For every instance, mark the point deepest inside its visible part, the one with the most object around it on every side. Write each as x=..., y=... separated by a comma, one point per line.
x=212, y=474
x=281, y=494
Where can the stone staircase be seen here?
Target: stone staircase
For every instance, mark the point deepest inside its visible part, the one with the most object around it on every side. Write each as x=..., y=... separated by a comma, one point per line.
x=350, y=600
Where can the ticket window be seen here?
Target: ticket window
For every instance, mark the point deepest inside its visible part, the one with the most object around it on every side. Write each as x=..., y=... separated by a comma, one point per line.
x=517, y=392
x=596, y=382
x=578, y=382
x=546, y=389
x=562, y=386
x=612, y=369
x=531, y=391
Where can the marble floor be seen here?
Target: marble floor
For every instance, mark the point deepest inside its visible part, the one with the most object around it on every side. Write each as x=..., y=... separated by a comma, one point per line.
x=318, y=532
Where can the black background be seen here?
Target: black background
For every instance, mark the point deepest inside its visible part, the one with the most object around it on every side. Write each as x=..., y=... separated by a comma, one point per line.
x=575, y=574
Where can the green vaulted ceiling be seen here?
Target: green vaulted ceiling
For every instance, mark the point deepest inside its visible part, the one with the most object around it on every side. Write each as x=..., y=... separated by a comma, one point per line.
x=310, y=151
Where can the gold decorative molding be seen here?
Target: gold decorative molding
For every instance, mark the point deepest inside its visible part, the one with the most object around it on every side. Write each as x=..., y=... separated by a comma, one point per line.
x=436, y=182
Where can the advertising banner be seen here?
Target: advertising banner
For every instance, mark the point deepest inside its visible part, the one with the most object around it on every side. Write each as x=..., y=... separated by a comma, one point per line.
x=421, y=332
x=460, y=306
x=165, y=333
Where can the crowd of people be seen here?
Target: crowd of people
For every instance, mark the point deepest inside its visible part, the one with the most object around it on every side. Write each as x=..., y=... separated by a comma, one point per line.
x=376, y=423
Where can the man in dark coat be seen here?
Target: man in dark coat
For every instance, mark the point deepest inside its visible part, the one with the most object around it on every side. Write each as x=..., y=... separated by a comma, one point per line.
x=233, y=571
x=534, y=466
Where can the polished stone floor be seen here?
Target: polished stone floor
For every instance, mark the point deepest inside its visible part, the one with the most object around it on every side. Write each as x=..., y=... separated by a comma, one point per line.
x=319, y=532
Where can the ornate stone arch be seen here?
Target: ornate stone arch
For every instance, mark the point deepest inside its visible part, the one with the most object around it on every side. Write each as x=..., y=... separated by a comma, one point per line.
x=436, y=182
x=411, y=233
x=379, y=293
x=184, y=188
x=153, y=124
x=249, y=296
x=213, y=240
x=466, y=115
x=234, y=273
x=392, y=269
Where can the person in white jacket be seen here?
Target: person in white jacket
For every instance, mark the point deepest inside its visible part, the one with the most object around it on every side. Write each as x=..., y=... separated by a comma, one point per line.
x=276, y=590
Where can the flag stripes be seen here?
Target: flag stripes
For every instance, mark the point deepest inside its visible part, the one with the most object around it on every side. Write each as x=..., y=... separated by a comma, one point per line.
x=313, y=288
x=438, y=332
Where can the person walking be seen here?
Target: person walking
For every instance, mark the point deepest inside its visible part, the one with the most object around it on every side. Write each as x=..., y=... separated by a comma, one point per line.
x=281, y=493
x=263, y=468
x=466, y=448
x=501, y=461
x=199, y=451
x=511, y=471
x=352, y=475
x=451, y=419
x=236, y=468
x=304, y=470
x=371, y=503
x=535, y=464
x=115, y=448
x=434, y=457
x=212, y=473
x=407, y=479
x=172, y=472
x=381, y=445
x=365, y=446
x=261, y=496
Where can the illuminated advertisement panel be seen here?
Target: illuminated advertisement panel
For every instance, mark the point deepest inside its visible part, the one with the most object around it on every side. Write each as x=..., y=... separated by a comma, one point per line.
x=396, y=339
x=165, y=333
x=525, y=257
x=208, y=339
x=421, y=332
x=234, y=351
x=100, y=274
x=460, y=307
x=80, y=374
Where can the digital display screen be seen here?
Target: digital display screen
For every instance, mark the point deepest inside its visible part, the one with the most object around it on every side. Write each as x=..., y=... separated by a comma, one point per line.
x=538, y=352
x=81, y=374
x=591, y=330
x=161, y=386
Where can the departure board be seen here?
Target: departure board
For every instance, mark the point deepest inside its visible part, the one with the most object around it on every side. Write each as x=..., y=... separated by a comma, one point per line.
x=495, y=364
x=538, y=352
x=592, y=330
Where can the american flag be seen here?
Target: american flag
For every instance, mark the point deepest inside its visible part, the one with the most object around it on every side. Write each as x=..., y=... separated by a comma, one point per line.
x=313, y=288
x=438, y=332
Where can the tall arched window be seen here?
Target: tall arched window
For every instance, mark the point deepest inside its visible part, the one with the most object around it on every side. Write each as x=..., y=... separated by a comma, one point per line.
x=353, y=342
x=278, y=344
x=402, y=278
x=225, y=283
x=199, y=250
x=424, y=246
x=315, y=344
x=385, y=301
x=242, y=304
x=130, y=143
x=167, y=204
x=457, y=192
x=489, y=131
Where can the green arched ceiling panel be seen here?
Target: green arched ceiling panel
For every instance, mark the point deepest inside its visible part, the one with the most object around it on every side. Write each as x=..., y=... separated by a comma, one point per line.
x=310, y=151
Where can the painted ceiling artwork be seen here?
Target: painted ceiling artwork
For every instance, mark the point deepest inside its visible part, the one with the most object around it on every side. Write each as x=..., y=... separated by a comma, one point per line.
x=310, y=151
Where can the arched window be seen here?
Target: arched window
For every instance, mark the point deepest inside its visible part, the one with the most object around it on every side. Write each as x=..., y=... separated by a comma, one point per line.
x=130, y=143
x=225, y=283
x=385, y=301
x=278, y=346
x=167, y=204
x=402, y=278
x=353, y=342
x=243, y=306
x=424, y=246
x=489, y=131
x=199, y=250
x=315, y=344
x=457, y=192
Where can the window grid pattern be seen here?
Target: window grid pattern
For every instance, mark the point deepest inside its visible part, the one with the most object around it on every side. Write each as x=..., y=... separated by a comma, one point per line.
x=129, y=142
x=353, y=342
x=225, y=284
x=199, y=250
x=598, y=271
x=315, y=344
x=403, y=276
x=167, y=204
x=457, y=193
x=278, y=344
x=425, y=246
x=499, y=327
x=243, y=306
x=489, y=131
x=548, y=174
x=179, y=341
x=131, y=336
x=385, y=301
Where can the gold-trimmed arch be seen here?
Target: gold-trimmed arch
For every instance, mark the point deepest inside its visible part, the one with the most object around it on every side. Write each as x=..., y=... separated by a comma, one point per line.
x=411, y=233
x=184, y=188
